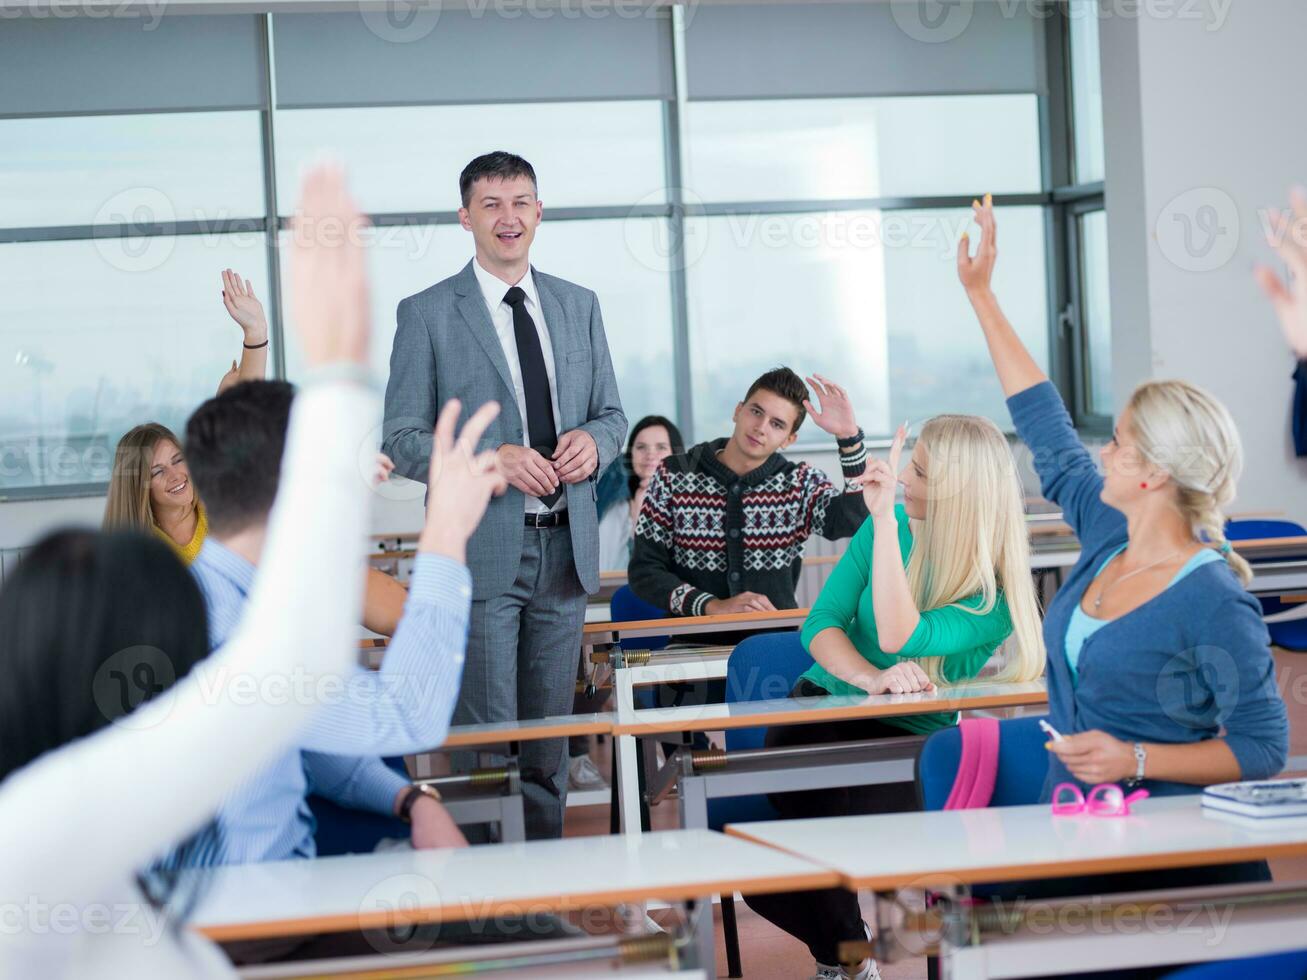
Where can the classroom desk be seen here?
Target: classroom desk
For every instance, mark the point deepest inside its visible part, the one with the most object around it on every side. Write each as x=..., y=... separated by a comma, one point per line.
x=948, y=851
x=701, y=776
x=617, y=638
x=372, y=891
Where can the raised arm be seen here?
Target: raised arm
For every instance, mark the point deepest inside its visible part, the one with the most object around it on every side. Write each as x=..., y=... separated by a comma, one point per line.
x=829, y=512
x=1016, y=369
x=244, y=307
x=1289, y=301
x=1067, y=474
x=301, y=616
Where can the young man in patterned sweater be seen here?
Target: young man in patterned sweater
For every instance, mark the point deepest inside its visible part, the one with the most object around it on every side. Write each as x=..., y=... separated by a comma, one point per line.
x=723, y=526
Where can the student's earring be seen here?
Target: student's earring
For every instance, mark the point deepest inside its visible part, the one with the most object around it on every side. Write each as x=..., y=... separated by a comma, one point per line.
x=1143, y=486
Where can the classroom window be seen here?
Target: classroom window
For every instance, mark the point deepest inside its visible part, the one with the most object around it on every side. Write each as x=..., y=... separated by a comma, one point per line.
x=408, y=158
x=868, y=298
x=1095, y=312
x=859, y=148
x=143, y=337
x=140, y=169
x=1086, y=91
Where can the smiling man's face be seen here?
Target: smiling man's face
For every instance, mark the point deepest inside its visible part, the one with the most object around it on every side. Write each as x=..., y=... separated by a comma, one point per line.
x=502, y=216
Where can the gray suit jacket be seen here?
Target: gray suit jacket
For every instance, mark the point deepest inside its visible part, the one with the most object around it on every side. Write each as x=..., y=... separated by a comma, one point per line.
x=446, y=347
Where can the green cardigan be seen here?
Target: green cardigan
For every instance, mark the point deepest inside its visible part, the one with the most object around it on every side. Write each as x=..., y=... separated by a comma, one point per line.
x=965, y=640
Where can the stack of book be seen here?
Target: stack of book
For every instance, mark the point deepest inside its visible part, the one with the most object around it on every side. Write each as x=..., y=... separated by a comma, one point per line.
x=1258, y=800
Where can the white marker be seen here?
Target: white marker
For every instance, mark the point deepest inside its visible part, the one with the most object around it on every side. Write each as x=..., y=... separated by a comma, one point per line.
x=1057, y=736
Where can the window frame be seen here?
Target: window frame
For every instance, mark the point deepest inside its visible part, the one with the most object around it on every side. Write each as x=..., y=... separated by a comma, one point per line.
x=1062, y=201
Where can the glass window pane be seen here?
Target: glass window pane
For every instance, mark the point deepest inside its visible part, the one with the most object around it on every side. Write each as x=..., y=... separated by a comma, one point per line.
x=154, y=167
x=870, y=299
x=622, y=261
x=838, y=149
x=408, y=158
x=1086, y=91
x=144, y=337
x=1096, y=313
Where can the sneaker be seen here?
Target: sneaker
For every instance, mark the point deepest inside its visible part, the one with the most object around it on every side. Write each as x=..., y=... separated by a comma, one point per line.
x=583, y=774
x=869, y=971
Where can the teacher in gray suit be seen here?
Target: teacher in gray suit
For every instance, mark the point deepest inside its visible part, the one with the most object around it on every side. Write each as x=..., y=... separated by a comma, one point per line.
x=502, y=330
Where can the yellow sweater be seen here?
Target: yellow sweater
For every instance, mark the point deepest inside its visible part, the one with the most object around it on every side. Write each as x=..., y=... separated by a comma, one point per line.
x=191, y=550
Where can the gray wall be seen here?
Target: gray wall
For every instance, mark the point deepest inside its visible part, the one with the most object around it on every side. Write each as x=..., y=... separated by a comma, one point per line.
x=1204, y=128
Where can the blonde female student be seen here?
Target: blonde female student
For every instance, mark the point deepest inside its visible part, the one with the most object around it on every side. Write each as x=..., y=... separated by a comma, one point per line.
x=1159, y=665
x=925, y=594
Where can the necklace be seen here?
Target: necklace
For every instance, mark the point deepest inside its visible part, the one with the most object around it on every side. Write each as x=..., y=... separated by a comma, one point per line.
x=1117, y=581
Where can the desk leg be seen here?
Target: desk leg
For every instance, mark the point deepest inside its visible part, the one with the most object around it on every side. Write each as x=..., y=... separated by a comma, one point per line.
x=627, y=752
x=512, y=819
x=693, y=792
x=704, y=942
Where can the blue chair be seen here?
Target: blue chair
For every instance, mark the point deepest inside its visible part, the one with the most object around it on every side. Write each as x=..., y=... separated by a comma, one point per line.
x=1291, y=635
x=1280, y=966
x=625, y=607
x=339, y=830
x=762, y=667
x=1022, y=764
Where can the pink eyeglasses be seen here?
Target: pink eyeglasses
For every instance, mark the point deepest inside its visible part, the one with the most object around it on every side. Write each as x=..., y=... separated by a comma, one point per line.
x=1104, y=800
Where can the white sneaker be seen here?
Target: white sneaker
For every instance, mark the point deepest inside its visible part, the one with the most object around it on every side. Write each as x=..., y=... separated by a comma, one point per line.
x=583, y=774
x=869, y=971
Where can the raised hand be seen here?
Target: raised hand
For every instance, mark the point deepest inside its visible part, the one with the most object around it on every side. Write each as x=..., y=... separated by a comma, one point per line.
x=880, y=480
x=1290, y=301
x=244, y=307
x=460, y=480
x=977, y=272
x=328, y=271
x=836, y=414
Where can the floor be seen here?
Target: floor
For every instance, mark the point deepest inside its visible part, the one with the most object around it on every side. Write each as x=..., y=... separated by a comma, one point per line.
x=769, y=954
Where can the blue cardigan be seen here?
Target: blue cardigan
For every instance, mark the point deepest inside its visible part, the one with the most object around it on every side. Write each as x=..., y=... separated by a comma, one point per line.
x=1187, y=665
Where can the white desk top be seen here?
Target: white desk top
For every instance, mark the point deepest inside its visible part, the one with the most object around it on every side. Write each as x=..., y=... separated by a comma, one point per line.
x=897, y=850
x=363, y=891
x=789, y=711
x=528, y=730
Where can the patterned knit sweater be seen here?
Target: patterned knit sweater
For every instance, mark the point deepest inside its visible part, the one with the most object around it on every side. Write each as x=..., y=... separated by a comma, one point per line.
x=705, y=532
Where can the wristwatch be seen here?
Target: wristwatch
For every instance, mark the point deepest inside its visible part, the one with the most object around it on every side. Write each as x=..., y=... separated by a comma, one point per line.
x=1141, y=756
x=411, y=797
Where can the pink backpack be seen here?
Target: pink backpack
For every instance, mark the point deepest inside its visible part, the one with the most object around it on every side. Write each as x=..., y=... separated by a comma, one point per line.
x=973, y=787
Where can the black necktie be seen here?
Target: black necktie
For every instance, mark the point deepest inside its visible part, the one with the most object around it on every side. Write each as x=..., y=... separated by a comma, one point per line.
x=539, y=420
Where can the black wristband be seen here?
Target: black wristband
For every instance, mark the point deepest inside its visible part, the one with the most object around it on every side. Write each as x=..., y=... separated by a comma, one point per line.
x=850, y=441
x=414, y=794
x=254, y=346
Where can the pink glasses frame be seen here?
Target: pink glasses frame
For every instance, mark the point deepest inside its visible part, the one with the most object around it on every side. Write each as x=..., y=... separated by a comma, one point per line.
x=1103, y=800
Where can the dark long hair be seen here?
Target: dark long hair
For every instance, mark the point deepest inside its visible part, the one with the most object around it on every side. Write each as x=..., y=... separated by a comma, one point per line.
x=648, y=422
x=91, y=626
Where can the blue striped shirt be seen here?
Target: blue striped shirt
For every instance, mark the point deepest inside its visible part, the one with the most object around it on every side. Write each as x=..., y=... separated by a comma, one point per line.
x=404, y=707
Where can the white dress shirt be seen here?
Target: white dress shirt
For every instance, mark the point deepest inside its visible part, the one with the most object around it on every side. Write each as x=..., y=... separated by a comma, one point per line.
x=501, y=315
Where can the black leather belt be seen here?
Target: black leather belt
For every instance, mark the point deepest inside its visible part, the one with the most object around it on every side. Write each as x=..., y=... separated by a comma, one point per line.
x=557, y=518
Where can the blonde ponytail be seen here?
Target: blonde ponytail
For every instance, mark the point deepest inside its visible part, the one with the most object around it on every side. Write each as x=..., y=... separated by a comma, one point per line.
x=1187, y=432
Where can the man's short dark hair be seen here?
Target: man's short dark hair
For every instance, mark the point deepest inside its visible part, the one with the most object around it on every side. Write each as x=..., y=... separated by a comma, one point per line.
x=234, y=444
x=785, y=383
x=498, y=165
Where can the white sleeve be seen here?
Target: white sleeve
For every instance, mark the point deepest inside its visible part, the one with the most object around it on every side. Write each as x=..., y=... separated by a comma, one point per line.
x=90, y=814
